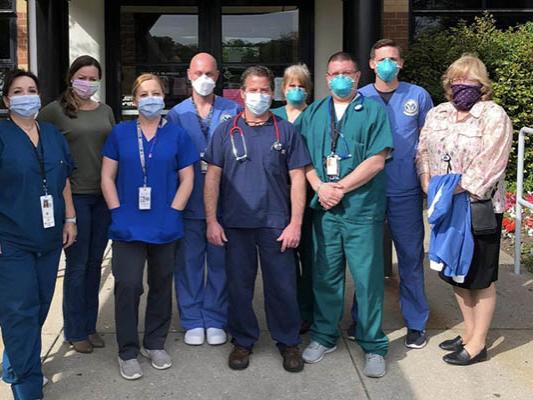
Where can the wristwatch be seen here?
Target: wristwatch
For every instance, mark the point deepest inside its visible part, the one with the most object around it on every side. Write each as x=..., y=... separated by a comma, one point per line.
x=71, y=220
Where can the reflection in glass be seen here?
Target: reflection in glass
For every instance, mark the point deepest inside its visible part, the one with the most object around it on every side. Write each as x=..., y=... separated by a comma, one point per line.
x=259, y=34
x=447, y=4
x=6, y=5
x=160, y=40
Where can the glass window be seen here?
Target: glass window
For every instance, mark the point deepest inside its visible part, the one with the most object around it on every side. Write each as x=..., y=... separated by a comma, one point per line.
x=447, y=4
x=257, y=35
x=5, y=39
x=506, y=4
x=7, y=5
x=160, y=40
x=260, y=34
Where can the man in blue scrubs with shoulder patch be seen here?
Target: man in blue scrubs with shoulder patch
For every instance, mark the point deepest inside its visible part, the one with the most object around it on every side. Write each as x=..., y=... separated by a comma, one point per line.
x=407, y=106
x=201, y=292
x=256, y=168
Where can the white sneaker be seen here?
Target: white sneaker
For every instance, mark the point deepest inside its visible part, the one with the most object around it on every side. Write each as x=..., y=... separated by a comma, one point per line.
x=45, y=381
x=216, y=336
x=195, y=337
x=374, y=365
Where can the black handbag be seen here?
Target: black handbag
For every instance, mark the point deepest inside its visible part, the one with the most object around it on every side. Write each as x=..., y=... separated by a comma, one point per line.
x=483, y=217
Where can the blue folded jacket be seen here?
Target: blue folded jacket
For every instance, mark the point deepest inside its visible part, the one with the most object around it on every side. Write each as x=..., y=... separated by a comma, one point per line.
x=451, y=244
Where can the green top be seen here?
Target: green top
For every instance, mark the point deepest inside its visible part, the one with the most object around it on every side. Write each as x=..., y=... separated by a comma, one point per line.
x=366, y=130
x=282, y=113
x=86, y=136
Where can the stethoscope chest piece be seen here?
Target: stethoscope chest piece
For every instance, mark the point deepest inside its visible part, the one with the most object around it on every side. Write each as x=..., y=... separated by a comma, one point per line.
x=277, y=146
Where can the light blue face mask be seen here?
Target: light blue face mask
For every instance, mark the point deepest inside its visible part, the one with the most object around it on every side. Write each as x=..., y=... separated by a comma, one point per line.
x=341, y=86
x=296, y=95
x=257, y=103
x=150, y=107
x=387, y=70
x=25, y=106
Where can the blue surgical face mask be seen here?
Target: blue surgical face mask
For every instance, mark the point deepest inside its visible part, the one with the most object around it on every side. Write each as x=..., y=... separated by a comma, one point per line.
x=25, y=106
x=257, y=103
x=296, y=95
x=387, y=69
x=341, y=86
x=150, y=107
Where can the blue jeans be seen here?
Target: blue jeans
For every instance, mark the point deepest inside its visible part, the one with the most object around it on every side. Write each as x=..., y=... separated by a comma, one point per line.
x=83, y=267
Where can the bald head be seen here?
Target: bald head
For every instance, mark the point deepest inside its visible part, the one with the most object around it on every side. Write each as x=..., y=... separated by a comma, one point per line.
x=203, y=64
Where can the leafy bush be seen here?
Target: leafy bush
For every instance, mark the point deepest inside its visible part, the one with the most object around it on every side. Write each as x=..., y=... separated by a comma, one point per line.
x=508, y=55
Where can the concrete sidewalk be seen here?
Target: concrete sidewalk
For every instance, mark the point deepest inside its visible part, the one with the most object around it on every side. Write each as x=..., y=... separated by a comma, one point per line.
x=202, y=372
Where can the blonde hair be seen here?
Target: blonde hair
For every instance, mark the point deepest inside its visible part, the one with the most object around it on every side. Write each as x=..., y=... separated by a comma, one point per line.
x=468, y=65
x=300, y=72
x=143, y=78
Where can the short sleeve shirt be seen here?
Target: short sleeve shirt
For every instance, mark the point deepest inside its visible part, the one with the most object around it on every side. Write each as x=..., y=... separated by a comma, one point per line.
x=171, y=150
x=255, y=193
x=21, y=186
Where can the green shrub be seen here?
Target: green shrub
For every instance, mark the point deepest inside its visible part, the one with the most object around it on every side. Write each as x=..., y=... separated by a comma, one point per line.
x=508, y=55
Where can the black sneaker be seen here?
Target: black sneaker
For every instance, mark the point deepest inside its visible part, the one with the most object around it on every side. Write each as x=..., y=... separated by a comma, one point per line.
x=350, y=332
x=415, y=339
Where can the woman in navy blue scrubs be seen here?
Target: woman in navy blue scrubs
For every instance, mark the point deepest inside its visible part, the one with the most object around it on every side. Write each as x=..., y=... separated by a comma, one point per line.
x=147, y=178
x=37, y=219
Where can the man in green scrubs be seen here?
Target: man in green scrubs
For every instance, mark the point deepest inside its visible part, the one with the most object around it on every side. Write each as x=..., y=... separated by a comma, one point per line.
x=349, y=138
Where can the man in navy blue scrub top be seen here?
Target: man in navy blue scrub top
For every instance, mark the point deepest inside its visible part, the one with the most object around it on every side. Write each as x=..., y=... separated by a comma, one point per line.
x=200, y=276
x=256, y=167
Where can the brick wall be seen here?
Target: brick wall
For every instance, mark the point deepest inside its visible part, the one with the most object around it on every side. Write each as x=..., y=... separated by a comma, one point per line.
x=396, y=21
x=22, y=34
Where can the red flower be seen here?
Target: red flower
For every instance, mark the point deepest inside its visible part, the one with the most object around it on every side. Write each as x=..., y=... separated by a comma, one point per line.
x=509, y=225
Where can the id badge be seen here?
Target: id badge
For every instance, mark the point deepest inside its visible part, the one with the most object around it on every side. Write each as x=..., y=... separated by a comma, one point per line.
x=145, y=198
x=203, y=164
x=332, y=166
x=47, y=211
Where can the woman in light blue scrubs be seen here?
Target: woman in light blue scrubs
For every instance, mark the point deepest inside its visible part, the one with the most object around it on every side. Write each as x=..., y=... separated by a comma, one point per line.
x=147, y=178
x=37, y=220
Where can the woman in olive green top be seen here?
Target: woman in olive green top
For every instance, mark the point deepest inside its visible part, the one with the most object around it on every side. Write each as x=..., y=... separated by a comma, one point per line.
x=296, y=87
x=85, y=124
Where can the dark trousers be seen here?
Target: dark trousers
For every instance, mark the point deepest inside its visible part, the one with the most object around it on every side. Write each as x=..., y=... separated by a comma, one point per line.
x=279, y=285
x=83, y=267
x=128, y=268
x=27, y=282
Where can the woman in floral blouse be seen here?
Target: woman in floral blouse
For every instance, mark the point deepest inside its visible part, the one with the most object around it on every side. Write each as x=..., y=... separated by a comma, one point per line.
x=473, y=136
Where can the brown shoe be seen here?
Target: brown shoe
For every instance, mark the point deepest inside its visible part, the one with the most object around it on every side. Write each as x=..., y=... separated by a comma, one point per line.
x=96, y=340
x=239, y=358
x=83, y=346
x=292, y=359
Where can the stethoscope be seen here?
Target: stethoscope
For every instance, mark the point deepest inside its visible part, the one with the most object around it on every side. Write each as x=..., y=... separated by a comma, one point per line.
x=236, y=128
x=337, y=133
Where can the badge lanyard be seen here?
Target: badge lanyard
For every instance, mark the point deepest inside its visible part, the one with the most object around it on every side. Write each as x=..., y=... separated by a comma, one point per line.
x=332, y=161
x=236, y=128
x=46, y=200
x=205, y=126
x=145, y=192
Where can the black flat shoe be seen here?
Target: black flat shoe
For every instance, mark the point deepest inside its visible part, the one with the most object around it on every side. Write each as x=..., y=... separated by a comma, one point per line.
x=454, y=344
x=462, y=357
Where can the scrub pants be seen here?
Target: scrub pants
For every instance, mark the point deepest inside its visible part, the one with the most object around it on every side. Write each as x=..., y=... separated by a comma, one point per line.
x=83, y=267
x=128, y=263
x=27, y=282
x=304, y=273
x=279, y=286
x=202, y=300
x=404, y=216
x=360, y=244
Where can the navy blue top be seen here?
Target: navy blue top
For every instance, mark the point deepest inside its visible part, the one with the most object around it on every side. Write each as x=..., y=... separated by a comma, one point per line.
x=184, y=115
x=255, y=193
x=21, y=186
x=172, y=151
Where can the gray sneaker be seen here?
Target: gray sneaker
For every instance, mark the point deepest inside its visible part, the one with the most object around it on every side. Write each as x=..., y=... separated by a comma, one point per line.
x=130, y=369
x=374, y=365
x=315, y=352
x=160, y=358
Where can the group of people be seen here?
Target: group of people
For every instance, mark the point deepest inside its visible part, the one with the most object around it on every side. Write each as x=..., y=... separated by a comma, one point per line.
x=200, y=194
